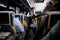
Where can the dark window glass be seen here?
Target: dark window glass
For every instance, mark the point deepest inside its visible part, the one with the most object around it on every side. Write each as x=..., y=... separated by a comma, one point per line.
x=38, y=1
x=4, y=18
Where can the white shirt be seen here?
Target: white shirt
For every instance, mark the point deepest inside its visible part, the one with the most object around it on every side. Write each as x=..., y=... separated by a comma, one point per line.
x=18, y=24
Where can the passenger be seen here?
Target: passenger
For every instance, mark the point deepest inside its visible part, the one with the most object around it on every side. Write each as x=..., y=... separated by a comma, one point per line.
x=28, y=28
x=18, y=25
x=54, y=33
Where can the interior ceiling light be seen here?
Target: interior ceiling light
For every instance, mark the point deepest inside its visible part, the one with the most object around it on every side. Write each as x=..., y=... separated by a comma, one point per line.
x=3, y=5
